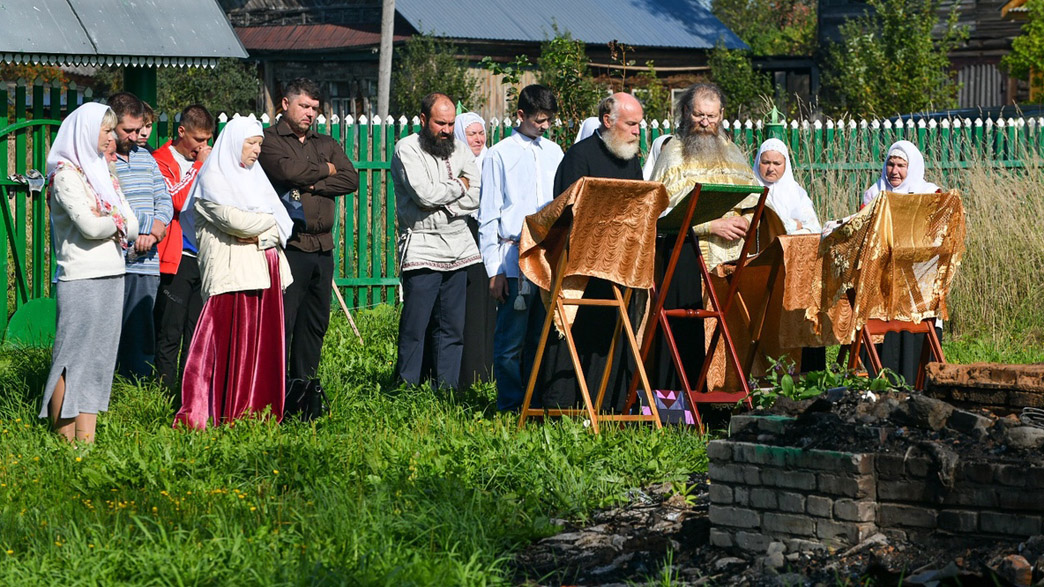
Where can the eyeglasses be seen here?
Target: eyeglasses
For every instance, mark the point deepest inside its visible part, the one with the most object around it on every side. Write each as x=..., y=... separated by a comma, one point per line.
x=698, y=116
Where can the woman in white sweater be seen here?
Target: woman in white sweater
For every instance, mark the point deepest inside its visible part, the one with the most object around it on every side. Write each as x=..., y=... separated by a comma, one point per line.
x=90, y=222
x=237, y=361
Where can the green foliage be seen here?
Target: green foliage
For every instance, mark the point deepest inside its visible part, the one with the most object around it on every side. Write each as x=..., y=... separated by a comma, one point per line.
x=403, y=486
x=563, y=69
x=653, y=94
x=749, y=91
x=889, y=62
x=230, y=87
x=782, y=380
x=771, y=27
x=511, y=72
x=1026, y=60
x=426, y=64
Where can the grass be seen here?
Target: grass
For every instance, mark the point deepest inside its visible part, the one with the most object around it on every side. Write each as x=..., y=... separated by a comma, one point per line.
x=399, y=486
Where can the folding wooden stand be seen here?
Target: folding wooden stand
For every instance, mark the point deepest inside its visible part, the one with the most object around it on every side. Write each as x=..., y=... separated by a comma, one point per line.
x=930, y=352
x=592, y=410
x=719, y=308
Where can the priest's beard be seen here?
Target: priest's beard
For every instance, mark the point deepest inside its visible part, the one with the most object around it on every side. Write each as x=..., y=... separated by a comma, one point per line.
x=621, y=145
x=700, y=144
x=434, y=145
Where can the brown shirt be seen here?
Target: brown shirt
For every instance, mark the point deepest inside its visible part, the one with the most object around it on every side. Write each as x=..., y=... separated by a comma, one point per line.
x=291, y=164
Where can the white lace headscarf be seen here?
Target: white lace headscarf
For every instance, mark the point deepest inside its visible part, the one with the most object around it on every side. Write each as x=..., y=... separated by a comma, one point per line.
x=914, y=182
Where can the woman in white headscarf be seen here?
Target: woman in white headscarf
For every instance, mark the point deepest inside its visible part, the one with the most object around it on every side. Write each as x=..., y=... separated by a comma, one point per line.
x=470, y=129
x=787, y=199
x=587, y=128
x=237, y=360
x=903, y=173
x=90, y=221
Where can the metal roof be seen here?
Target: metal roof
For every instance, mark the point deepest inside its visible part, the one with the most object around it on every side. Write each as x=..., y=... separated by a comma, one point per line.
x=309, y=37
x=639, y=23
x=116, y=32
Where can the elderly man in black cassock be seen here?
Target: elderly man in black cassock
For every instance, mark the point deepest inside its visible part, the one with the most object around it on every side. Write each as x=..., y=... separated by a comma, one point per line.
x=612, y=153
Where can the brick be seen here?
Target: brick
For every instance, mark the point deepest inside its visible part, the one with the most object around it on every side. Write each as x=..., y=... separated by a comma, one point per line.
x=1009, y=524
x=855, y=511
x=752, y=541
x=720, y=494
x=858, y=486
x=817, y=505
x=764, y=499
x=975, y=472
x=1019, y=500
x=721, y=538
x=917, y=467
x=733, y=473
x=1011, y=475
x=1034, y=477
x=789, y=479
x=760, y=454
x=889, y=514
x=898, y=490
x=829, y=460
x=733, y=516
x=895, y=535
x=789, y=524
x=791, y=502
x=848, y=532
x=741, y=496
x=799, y=545
x=719, y=450
x=958, y=521
x=890, y=466
x=972, y=495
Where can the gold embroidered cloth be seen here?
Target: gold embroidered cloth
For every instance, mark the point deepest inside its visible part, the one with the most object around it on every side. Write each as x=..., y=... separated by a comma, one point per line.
x=897, y=255
x=610, y=228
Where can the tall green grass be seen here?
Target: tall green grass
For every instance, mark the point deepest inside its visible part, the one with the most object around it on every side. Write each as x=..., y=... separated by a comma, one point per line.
x=399, y=486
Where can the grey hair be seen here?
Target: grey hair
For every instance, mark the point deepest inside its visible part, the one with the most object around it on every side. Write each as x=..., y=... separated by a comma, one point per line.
x=686, y=102
x=608, y=106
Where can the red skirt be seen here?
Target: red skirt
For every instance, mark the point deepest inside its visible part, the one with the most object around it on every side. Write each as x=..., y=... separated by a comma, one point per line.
x=237, y=360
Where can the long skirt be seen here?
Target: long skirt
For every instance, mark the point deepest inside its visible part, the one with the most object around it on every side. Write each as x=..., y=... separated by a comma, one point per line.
x=480, y=319
x=86, y=338
x=236, y=363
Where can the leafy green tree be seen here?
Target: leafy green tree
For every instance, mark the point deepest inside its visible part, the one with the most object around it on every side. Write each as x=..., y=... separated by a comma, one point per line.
x=771, y=27
x=230, y=87
x=563, y=69
x=427, y=64
x=654, y=95
x=747, y=90
x=1026, y=60
x=889, y=62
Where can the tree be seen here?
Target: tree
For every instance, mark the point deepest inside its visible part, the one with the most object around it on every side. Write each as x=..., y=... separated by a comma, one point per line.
x=653, y=93
x=427, y=64
x=771, y=27
x=563, y=69
x=889, y=62
x=1026, y=60
x=746, y=89
x=230, y=87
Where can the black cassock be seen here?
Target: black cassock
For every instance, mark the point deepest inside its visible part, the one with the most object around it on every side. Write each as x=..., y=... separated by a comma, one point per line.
x=557, y=385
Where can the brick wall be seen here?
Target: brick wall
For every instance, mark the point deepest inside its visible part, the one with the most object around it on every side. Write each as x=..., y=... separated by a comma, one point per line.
x=811, y=499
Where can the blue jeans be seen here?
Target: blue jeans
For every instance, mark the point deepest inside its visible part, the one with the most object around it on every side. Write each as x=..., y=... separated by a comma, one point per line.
x=514, y=346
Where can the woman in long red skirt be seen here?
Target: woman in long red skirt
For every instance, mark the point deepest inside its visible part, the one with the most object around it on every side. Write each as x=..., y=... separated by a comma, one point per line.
x=237, y=363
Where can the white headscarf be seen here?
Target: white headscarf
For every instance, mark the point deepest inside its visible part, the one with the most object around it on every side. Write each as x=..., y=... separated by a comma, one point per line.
x=224, y=180
x=914, y=182
x=587, y=128
x=787, y=199
x=77, y=144
x=460, y=127
x=654, y=153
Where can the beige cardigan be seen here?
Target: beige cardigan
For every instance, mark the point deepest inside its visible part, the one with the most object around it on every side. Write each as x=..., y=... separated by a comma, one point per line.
x=228, y=265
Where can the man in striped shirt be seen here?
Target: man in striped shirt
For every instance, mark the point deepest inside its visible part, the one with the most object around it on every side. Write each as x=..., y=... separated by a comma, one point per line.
x=143, y=185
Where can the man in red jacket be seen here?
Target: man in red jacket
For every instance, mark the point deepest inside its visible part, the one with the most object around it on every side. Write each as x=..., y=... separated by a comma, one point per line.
x=179, y=302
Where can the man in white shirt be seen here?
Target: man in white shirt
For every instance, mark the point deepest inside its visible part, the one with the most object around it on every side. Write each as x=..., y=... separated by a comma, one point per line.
x=518, y=177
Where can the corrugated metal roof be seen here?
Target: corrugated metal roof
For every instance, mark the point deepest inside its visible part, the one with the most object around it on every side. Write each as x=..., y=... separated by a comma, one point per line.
x=309, y=37
x=640, y=23
x=141, y=32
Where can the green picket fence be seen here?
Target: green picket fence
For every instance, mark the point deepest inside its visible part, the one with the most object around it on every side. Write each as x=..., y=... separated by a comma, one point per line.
x=366, y=269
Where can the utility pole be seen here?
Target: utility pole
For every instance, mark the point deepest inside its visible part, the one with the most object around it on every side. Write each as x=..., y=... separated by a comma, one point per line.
x=384, y=65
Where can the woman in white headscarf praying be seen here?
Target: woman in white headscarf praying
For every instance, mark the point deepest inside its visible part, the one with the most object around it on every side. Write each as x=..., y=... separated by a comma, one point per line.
x=237, y=360
x=787, y=199
x=903, y=173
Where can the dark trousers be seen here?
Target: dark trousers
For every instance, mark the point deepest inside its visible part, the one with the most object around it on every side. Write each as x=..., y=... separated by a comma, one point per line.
x=306, y=310
x=439, y=297
x=178, y=305
x=136, y=354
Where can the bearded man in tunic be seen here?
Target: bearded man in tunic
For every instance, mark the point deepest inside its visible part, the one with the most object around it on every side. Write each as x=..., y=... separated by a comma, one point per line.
x=611, y=152
x=699, y=152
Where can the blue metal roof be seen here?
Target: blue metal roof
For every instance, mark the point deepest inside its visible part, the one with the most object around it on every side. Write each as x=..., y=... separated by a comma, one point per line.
x=639, y=23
